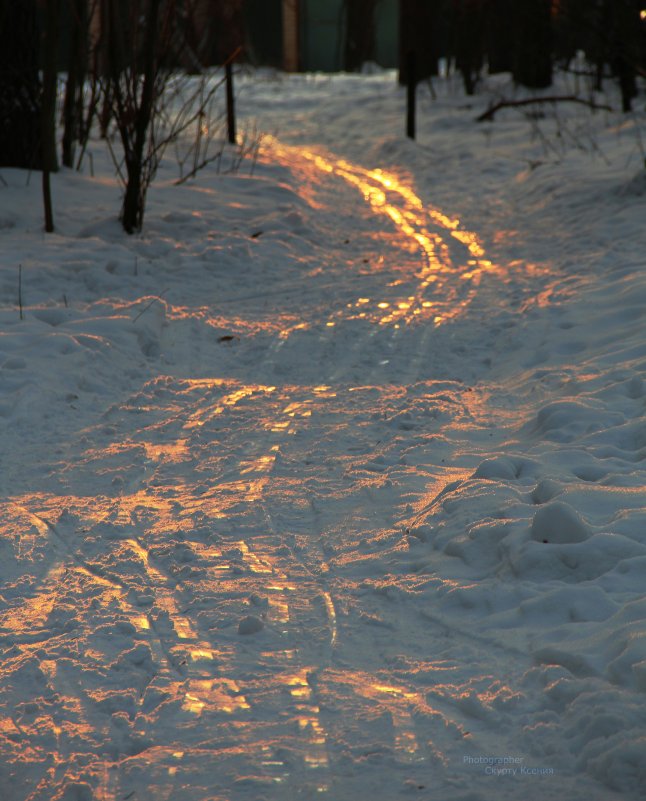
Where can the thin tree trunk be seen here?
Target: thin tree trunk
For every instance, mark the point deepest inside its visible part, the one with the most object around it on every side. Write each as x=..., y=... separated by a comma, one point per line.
x=48, y=120
x=76, y=71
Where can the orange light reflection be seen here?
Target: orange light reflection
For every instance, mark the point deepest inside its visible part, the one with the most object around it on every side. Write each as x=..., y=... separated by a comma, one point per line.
x=308, y=719
x=409, y=215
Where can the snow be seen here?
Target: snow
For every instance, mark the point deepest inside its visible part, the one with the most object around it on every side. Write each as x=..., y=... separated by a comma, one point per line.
x=329, y=483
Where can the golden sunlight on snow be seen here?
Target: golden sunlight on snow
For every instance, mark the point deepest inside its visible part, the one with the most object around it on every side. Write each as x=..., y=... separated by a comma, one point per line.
x=184, y=601
x=389, y=196
x=308, y=719
x=192, y=526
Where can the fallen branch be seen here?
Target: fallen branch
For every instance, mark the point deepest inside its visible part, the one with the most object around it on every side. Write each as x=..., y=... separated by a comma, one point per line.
x=491, y=111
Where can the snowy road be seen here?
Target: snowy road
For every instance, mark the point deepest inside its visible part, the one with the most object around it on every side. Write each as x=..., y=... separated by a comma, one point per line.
x=223, y=583
x=228, y=623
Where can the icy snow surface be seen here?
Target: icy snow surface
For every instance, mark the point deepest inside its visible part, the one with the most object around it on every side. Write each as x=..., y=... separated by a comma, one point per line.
x=330, y=483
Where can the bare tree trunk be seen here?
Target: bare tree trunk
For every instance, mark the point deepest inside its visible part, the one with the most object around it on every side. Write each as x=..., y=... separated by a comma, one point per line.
x=48, y=120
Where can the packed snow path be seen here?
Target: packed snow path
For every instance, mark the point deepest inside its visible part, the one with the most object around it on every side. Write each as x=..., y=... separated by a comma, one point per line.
x=225, y=593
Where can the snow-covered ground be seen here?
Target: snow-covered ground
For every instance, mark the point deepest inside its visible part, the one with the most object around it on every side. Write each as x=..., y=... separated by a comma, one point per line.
x=330, y=483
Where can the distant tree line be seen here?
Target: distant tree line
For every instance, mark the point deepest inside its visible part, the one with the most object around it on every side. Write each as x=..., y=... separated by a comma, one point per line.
x=527, y=38
x=118, y=55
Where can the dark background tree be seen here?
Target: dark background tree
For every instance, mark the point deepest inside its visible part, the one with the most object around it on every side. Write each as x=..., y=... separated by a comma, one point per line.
x=422, y=29
x=573, y=30
x=468, y=37
x=20, y=88
x=77, y=65
x=532, y=26
x=625, y=46
x=360, y=33
x=264, y=32
x=227, y=29
x=611, y=33
x=498, y=35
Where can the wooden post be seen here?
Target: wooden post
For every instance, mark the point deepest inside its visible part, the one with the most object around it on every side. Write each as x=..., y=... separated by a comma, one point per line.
x=231, y=115
x=291, y=44
x=411, y=86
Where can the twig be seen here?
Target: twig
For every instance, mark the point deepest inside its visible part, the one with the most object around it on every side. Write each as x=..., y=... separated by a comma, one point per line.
x=158, y=297
x=490, y=112
x=197, y=168
x=117, y=166
x=640, y=142
x=20, y=291
x=256, y=153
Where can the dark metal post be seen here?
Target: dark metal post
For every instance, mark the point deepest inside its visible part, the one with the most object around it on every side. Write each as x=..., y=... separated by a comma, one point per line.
x=231, y=115
x=411, y=86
